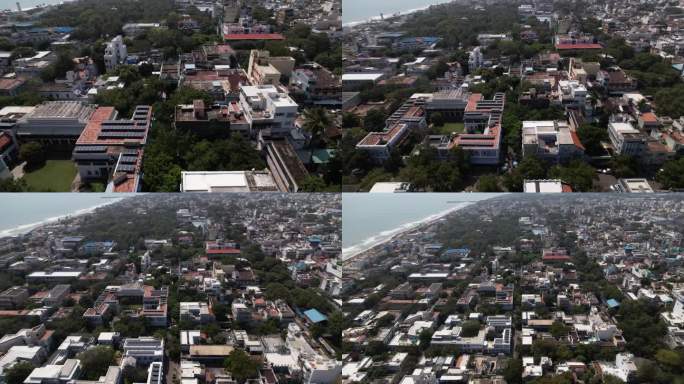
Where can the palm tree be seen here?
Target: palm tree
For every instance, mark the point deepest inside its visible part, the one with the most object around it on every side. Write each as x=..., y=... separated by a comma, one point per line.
x=316, y=121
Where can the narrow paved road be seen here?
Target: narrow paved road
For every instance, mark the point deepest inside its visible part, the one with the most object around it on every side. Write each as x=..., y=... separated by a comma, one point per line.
x=174, y=370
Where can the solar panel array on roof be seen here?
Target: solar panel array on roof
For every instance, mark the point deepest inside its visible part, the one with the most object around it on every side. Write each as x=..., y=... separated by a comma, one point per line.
x=130, y=152
x=128, y=168
x=129, y=126
x=119, y=178
x=141, y=113
x=90, y=148
x=128, y=159
x=121, y=135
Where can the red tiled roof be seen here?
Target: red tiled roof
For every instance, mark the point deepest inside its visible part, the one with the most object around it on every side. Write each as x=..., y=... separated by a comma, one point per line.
x=472, y=102
x=128, y=186
x=478, y=140
x=576, y=140
x=253, y=36
x=9, y=84
x=131, y=182
x=555, y=255
x=579, y=46
x=376, y=138
x=223, y=251
x=649, y=117
x=92, y=130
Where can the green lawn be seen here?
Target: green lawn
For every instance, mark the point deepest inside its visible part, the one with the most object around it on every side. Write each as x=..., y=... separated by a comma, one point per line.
x=448, y=128
x=55, y=175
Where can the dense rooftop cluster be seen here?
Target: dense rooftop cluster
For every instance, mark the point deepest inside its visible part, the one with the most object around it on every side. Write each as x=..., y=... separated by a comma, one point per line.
x=543, y=289
x=589, y=97
x=223, y=81
x=225, y=289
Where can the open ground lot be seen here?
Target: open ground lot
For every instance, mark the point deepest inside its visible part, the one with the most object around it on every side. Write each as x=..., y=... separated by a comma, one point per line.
x=55, y=175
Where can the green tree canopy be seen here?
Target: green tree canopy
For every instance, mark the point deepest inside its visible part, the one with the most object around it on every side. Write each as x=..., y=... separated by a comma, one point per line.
x=33, y=154
x=374, y=121
x=591, y=137
x=17, y=373
x=672, y=174
x=241, y=366
x=437, y=119
x=578, y=174
x=488, y=183
x=316, y=121
x=95, y=361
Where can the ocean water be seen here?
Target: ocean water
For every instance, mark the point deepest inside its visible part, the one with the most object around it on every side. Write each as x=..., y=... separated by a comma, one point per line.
x=371, y=218
x=24, y=211
x=354, y=11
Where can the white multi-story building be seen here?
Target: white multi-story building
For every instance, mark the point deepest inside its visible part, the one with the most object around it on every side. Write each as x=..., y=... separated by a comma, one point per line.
x=410, y=116
x=550, y=140
x=572, y=93
x=266, y=69
x=499, y=321
x=626, y=139
x=676, y=317
x=26, y=336
x=241, y=311
x=55, y=123
x=380, y=144
x=189, y=338
x=145, y=350
x=113, y=376
x=196, y=312
x=155, y=373
x=55, y=373
x=475, y=59
x=501, y=344
x=268, y=110
x=451, y=335
x=145, y=261
x=34, y=355
x=624, y=367
x=322, y=371
x=135, y=29
x=115, y=53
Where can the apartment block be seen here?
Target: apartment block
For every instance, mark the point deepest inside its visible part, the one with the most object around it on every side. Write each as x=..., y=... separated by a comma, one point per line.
x=268, y=111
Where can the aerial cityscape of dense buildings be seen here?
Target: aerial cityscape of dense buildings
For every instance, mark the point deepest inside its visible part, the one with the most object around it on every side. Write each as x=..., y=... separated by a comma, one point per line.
x=231, y=288
x=519, y=288
x=586, y=95
x=341, y=192
x=228, y=86
x=580, y=95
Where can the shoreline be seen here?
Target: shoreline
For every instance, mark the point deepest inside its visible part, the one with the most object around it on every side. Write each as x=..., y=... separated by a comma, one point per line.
x=392, y=15
x=386, y=236
x=27, y=228
x=352, y=24
x=35, y=7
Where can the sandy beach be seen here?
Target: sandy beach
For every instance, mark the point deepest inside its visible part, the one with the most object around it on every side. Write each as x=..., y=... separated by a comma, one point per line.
x=352, y=24
x=387, y=236
x=26, y=228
